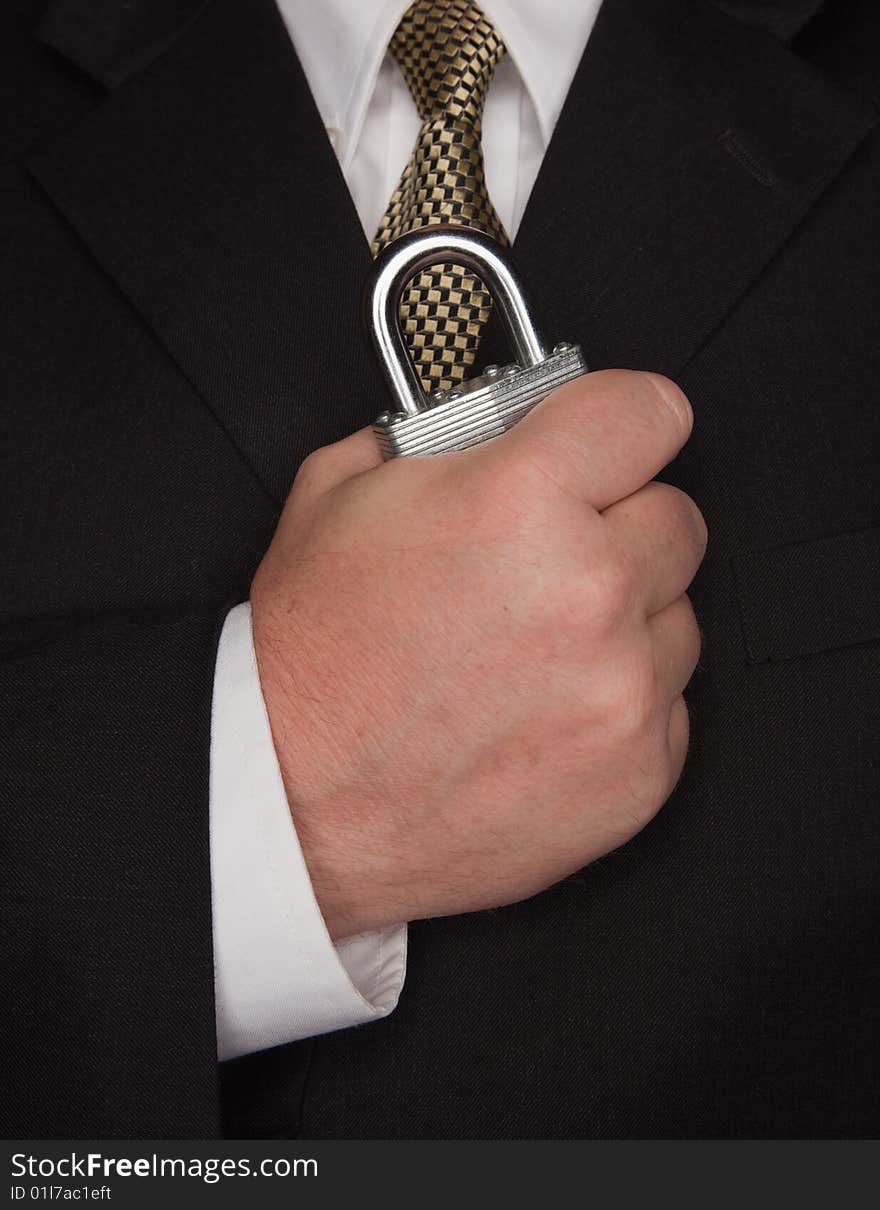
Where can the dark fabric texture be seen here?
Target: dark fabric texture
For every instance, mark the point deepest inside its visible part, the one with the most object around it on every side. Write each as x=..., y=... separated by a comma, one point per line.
x=841, y=605
x=181, y=269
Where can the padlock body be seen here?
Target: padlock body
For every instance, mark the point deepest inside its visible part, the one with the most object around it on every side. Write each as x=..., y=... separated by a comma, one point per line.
x=481, y=408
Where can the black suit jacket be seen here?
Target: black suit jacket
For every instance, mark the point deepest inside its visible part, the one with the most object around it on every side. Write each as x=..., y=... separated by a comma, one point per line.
x=181, y=274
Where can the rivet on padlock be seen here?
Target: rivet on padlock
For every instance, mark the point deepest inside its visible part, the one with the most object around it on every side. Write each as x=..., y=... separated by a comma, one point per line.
x=482, y=407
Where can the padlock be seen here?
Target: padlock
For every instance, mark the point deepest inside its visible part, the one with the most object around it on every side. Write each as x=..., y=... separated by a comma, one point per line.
x=482, y=407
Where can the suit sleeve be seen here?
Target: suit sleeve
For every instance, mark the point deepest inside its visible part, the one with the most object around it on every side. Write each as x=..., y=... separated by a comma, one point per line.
x=108, y=1020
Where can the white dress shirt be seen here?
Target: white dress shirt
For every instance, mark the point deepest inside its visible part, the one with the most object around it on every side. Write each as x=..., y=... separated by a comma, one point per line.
x=278, y=975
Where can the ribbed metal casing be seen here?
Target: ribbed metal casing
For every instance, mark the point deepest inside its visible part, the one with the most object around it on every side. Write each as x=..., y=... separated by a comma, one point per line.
x=482, y=408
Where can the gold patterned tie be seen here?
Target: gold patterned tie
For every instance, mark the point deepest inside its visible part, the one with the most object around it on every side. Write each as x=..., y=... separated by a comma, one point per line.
x=447, y=50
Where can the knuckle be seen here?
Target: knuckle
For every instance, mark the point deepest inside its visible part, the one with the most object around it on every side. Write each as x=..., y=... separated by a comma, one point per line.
x=548, y=464
x=653, y=789
x=679, y=516
x=693, y=521
x=313, y=469
x=689, y=640
x=678, y=733
x=676, y=744
x=639, y=698
x=687, y=518
x=523, y=491
x=658, y=785
x=654, y=780
x=648, y=784
x=611, y=590
x=317, y=458
x=628, y=706
x=691, y=626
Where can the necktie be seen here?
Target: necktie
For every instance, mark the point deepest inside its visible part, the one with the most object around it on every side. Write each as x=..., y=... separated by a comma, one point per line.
x=447, y=50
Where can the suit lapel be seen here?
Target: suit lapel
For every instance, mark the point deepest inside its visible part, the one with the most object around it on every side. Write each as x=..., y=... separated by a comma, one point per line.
x=207, y=189
x=689, y=148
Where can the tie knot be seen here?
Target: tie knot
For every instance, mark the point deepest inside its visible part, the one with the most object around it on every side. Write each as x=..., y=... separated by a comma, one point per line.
x=447, y=51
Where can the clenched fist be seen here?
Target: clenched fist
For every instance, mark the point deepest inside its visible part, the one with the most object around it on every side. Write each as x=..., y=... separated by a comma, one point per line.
x=473, y=663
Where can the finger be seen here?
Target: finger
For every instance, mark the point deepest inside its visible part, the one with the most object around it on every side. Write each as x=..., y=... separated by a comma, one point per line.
x=661, y=533
x=604, y=435
x=330, y=465
x=677, y=740
x=675, y=641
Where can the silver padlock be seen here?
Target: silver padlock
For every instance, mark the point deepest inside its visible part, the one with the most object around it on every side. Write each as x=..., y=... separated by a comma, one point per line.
x=482, y=407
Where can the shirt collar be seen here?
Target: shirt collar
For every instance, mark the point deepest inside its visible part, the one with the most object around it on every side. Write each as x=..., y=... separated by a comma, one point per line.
x=341, y=44
x=545, y=39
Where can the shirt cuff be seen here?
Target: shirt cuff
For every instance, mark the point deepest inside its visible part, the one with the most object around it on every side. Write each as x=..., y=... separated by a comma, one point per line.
x=278, y=976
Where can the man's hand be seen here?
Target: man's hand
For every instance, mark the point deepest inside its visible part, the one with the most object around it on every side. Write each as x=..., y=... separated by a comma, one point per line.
x=473, y=663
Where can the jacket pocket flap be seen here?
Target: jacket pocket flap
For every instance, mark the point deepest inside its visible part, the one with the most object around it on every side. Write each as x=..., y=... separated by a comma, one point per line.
x=811, y=596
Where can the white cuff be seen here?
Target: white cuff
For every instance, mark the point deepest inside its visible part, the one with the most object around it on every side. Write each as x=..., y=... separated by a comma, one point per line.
x=278, y=976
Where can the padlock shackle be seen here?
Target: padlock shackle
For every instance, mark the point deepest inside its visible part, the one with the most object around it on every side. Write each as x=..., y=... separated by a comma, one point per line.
x=401, y=260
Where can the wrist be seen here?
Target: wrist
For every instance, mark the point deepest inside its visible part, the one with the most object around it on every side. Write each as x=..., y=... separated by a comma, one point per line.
x=338, y=830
